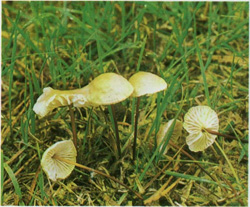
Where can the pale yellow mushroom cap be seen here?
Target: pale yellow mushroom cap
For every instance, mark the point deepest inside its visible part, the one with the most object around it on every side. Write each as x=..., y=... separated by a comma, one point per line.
x=51, y=99
x=196, y=120
x=108, y=88
x=146, y=83
x=177, y=131
x=56, y=169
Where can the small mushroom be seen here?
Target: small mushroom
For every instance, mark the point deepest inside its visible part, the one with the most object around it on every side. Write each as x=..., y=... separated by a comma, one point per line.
x=164, y=129
x=54, y=168
x=109, y=89
x=144, y=83
x=199, y=122
x=59, y=160
x=51, y=99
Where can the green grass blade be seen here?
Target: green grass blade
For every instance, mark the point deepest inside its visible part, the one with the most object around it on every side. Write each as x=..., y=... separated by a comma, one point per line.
x=168, y=94
x=202, y=70
x=165, y=140
x=141, y=54
x=30, y=112
x=229, y=163
x=123, y=17
x=156, y=152
x=244, y=148
x=15, y=183
x=2, y=178
x=191, y=177
x=41, y=184
x=35, y=81
x=13, y=56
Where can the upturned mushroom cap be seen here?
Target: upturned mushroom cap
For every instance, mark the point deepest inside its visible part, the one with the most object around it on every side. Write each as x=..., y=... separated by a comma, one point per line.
x=177, y=131
x=108, y=88
x=146, y=83
x=54, y=168
x=196, y=120
x=51, y=99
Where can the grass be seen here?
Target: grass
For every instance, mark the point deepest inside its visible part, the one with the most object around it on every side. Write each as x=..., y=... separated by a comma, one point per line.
x=199, y=48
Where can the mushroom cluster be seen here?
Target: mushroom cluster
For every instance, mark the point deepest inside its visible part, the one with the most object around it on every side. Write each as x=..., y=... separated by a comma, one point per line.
x=59, y=160
x=106, y=89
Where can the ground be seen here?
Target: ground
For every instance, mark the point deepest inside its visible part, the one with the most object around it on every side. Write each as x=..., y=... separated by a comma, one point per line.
x=199, y=48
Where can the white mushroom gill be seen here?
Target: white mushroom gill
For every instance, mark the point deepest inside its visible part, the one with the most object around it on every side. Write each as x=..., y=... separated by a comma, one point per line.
x=196, y=121
x=54, y=168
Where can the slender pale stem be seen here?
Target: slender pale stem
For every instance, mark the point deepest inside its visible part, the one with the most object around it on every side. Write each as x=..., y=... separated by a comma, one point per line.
x=136, y=124
x=223, y=135
x=97, y=172
x=116, y=132
x=73, y=125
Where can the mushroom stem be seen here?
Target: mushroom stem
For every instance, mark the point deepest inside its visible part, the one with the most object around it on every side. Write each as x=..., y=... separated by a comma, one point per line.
x=223, y=135
x=73, y=125
x=136, y=124
x=97, y=172
x=116, y=131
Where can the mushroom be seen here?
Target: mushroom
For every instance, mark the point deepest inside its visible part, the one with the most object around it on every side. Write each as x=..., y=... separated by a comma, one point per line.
x=144, y=83
x=164, y=129
x=59, y=160
x=51, y=99
x=202, y=123
x=199, y=121
x=54, y=168
x=106, y=89
x=109, y=89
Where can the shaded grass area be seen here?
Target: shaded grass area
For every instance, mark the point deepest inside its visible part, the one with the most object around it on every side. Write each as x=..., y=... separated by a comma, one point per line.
x=199, y=48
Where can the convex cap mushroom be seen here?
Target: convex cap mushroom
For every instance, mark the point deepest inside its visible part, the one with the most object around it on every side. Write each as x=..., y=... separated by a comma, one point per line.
x=196, y=121
x=107, y=89
x=54, y=168
x=146, y=83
